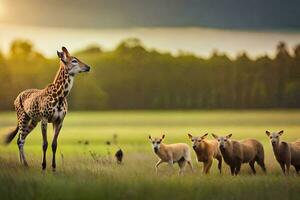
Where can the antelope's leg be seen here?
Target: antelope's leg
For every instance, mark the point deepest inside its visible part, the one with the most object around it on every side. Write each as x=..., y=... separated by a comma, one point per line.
x=252, y=166
x=282, y=165
x=208, y=165
x=191, y=166
x=157, y=164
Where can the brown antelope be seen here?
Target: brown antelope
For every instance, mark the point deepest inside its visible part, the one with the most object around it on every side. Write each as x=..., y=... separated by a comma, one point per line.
x=286, y=154
x=235, y=153
x=48, y=105
x=171, y=153
x=206, y=150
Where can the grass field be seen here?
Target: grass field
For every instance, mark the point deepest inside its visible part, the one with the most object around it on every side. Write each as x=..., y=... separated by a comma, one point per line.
x=80, y=176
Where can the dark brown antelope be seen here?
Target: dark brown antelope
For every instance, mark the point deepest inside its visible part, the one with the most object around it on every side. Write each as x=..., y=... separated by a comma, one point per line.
x=286, y=154
x=235, y=153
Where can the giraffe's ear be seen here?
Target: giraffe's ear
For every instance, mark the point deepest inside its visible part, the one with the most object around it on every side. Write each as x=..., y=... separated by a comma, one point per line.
x=65, y=50
x=62, y=56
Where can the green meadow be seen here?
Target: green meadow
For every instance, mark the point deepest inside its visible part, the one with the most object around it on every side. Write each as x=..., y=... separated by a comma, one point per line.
x=86, y=168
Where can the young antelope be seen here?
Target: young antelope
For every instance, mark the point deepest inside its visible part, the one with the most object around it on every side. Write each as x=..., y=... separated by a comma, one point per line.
x=171, y=153
x=206, y=150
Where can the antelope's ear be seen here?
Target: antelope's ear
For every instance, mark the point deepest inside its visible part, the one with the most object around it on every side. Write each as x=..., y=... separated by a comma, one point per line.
x=150, y=137
x=215, y=136
x=163, y=136
x=229, y=136
x=280, y=132
x=65, y=50
x=204, y=136
x=190, y=136
x=268, y=133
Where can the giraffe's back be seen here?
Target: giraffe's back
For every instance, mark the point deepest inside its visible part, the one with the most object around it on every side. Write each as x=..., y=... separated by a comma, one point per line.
x=28, y=102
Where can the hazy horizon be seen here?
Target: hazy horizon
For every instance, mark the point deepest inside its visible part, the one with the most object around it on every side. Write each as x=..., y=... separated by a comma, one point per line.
x=199, y=41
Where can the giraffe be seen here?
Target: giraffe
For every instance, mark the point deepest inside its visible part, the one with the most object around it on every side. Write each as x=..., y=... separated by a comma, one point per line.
x=48, y=105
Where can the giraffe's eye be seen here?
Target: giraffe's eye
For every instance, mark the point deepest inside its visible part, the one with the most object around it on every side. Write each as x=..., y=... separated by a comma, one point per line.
x=74, y=61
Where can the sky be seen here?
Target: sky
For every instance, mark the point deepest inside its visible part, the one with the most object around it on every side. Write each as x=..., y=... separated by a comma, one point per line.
x=196, y=26
x=228, y=14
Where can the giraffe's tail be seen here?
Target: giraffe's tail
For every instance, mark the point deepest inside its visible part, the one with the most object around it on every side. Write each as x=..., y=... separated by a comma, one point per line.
x=10, y=136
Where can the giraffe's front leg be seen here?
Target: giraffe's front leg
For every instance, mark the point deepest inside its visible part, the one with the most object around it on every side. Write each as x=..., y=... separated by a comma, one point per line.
x=57, y=127
x=45, y=143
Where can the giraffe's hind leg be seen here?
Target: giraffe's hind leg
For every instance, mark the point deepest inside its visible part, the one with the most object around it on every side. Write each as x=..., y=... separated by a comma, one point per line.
x=26, y=125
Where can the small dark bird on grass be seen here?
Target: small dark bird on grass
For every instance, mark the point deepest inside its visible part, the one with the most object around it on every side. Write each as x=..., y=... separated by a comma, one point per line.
x=119, y=156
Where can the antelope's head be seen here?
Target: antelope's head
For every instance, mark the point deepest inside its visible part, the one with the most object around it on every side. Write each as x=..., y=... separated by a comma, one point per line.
x=196, y=140
x=274, y=137
x=222, y=140
x=72, y=64
x=156, y=142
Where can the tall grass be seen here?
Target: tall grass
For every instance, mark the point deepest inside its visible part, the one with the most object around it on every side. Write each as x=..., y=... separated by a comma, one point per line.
x=80, y=176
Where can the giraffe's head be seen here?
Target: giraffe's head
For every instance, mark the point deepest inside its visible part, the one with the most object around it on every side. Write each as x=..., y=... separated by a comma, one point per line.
x=73, y=64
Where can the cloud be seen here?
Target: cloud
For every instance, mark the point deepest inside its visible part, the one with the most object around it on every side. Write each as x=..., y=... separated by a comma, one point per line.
x=236, y=14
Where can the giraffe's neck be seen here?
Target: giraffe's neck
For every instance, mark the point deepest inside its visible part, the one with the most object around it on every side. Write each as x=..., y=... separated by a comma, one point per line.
x=63, y=82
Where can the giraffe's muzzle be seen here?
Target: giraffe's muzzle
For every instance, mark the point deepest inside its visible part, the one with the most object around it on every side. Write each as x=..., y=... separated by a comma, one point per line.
x=86, y=68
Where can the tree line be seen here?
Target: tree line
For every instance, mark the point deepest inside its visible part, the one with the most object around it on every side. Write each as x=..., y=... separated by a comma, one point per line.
x=133, y=77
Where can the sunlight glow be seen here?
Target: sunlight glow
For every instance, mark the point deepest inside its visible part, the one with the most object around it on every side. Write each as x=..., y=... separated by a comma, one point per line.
x=1, y=9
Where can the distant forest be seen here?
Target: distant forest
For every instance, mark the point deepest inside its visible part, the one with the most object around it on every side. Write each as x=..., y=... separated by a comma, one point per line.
x=133, y=77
